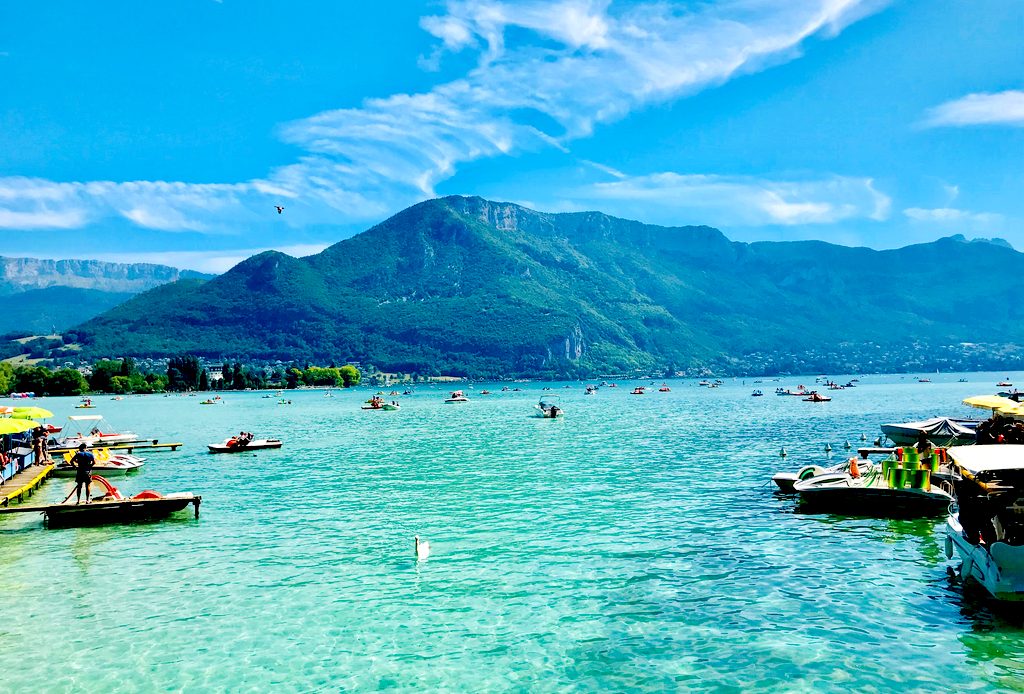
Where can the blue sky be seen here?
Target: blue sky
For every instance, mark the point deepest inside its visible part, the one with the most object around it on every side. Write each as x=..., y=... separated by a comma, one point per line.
x=167, y=131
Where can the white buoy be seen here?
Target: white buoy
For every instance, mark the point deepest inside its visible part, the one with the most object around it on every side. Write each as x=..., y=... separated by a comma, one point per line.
x=422, y=548
x=847, y=445
x=863, y=437
x=782, y=453
x=828, y=447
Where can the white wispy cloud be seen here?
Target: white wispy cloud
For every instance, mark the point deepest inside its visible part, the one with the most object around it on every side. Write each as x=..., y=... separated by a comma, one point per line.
x=999, y=108
x=549, y=71
x=945, y=215
x=744, y=200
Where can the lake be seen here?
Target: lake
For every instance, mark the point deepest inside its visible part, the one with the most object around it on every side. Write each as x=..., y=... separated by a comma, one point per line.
x=636, y=543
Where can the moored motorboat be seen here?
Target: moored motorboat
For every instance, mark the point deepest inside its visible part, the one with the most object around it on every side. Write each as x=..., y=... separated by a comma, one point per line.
x=95, y=434
x=986, y=527
x=885, y=491
x=785, y=481
x=941, y=431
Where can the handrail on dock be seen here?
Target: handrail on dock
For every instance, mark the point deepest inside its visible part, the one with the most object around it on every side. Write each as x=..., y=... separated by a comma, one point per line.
x=27, y=488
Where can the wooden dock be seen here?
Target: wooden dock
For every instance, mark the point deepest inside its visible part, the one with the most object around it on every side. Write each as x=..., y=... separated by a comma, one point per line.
x=128, y=446
x=23, y=484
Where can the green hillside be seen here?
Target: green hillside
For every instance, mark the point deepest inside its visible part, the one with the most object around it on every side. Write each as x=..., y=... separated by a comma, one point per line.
x=464, y=285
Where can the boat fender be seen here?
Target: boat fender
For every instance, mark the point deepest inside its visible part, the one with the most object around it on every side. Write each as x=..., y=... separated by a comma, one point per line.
x=949, y=547
x=854, y=469
x=967, y=567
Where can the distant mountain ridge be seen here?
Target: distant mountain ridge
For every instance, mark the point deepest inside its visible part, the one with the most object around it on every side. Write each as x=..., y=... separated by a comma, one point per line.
x=60, y=293
x=24, y=274
x=466, y=285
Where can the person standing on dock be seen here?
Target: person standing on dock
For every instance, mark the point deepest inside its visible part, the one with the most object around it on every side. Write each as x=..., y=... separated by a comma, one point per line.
x=84, y=461
x=38, y=437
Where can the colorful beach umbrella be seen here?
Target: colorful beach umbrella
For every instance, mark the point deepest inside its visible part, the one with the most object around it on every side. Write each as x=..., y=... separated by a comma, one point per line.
x=5, y=410
x=31, y=413
x=16, y=426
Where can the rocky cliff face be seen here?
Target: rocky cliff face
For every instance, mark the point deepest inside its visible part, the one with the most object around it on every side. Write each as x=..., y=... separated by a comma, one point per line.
x=24, y=274
x=53, y=295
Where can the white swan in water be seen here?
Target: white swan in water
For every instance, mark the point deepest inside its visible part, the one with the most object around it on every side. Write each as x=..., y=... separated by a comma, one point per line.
x=422, y=548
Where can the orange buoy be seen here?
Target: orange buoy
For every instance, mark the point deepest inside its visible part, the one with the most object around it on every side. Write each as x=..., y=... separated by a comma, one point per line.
x=854, y=468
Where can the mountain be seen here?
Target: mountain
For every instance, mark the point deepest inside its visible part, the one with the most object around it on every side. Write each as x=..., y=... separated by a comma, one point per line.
x=42, y=295
x=465, y=285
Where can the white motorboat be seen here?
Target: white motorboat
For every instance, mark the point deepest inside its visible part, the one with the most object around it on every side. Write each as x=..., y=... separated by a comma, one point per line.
x=941, y=431
x=457, y=396
x=785, y=480
x=886, y=490
x=548, y=410
x=986, y=528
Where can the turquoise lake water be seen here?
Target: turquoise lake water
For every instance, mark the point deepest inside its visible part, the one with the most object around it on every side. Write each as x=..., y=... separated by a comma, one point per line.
x=635, y=544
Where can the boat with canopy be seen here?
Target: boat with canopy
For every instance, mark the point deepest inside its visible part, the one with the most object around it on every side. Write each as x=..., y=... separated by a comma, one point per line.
x=986, y=527
x=92, y=430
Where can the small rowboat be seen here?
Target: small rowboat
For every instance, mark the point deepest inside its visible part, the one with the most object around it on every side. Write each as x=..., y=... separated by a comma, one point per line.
x=254, y=445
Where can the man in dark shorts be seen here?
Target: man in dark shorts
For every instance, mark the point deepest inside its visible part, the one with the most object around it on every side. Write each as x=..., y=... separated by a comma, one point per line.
x=83, y=461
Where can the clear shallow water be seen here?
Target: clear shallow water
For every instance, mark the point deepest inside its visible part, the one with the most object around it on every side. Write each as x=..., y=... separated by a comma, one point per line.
x=634, y=544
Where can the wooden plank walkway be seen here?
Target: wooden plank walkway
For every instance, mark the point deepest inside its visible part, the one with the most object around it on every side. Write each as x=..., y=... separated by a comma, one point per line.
x=23, y=484
x=129, y=447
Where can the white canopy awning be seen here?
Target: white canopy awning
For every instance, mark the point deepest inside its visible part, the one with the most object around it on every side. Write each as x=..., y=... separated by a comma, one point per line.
x=975, y=459
x=86, y=418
